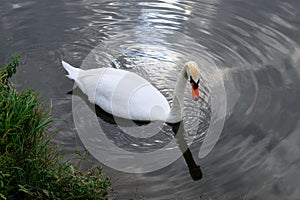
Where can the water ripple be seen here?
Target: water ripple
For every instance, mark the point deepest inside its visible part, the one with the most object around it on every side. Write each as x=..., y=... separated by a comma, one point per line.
x=254, y=45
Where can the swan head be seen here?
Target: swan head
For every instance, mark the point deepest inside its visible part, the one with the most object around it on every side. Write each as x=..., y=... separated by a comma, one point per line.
x=193, y=76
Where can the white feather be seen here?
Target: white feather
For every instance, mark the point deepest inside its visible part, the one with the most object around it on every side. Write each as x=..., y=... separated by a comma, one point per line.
x=73, y=72
x=121, y=93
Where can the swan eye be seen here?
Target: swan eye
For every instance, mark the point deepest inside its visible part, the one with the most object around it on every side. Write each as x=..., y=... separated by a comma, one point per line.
x=194, y=83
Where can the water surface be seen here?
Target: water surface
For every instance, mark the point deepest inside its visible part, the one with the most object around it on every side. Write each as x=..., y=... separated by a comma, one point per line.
x=251, y=47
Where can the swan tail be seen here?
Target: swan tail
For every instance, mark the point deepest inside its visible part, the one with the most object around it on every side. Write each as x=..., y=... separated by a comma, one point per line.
x=73, y=71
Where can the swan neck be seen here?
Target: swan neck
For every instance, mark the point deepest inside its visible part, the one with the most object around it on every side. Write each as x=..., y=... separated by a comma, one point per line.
x=178, y=97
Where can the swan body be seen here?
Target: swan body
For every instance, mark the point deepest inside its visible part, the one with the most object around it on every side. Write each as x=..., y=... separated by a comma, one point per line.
x=127, y=95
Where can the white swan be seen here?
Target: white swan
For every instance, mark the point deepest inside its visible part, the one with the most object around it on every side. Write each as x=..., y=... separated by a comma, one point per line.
x=127, y=95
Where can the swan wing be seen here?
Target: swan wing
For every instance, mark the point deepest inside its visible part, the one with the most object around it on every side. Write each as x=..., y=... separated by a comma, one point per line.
x=120, y=93
x=87, y=81
x=127, y=95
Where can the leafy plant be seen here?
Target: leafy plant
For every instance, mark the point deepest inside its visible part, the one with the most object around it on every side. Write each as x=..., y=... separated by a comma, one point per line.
x=30, y=167
x=9, y=69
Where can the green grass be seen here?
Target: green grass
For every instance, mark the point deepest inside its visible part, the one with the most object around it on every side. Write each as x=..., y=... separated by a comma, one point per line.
x=31, y=168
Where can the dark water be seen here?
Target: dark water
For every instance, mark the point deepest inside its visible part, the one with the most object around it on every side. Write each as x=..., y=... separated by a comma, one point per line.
x=249, y=47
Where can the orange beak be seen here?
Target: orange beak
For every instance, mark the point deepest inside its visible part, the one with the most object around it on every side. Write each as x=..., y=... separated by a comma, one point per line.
x=195, y=93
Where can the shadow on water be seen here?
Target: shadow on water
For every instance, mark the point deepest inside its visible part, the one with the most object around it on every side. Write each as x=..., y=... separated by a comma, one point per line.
x=177, y=130
x=194, y=169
